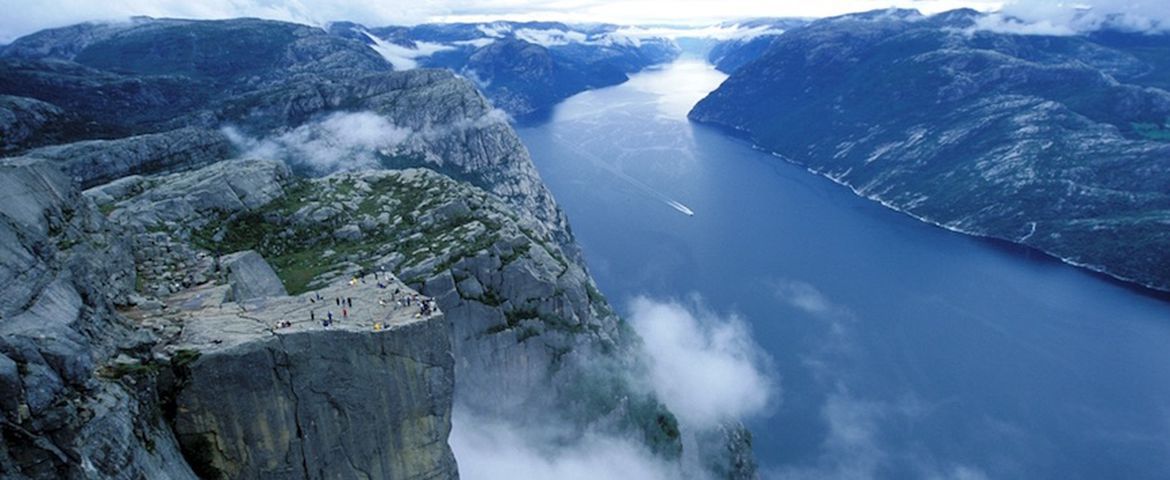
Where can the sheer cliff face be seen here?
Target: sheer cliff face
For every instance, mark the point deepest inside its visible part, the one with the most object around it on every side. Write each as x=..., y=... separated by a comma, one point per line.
x=1052, y=142
x=65, y=416
x=321, y=403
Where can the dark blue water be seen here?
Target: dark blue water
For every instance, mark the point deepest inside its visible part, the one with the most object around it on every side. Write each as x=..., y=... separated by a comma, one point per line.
x=903, y=350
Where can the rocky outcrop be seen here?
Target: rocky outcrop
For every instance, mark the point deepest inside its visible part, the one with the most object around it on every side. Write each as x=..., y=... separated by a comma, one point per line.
x=532, y=336
x=96, y=162
x=1029, y=139
x=725, y=451
x=61, y=266
x=222, y=187
x=453, y=129
x=368, y=396
x=22, y=119
x=251, y=277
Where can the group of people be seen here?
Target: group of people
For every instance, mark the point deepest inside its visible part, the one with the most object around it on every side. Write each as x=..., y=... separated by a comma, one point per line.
x=426, y=306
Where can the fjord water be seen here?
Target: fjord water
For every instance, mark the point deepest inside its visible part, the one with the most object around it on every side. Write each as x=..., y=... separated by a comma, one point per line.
x=902, y=350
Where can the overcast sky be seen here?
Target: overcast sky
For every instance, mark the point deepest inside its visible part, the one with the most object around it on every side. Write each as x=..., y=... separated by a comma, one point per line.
x=21, y=17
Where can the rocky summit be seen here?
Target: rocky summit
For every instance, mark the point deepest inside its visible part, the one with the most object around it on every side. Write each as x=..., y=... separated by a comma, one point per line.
x=1054, y=142
x=251, y=249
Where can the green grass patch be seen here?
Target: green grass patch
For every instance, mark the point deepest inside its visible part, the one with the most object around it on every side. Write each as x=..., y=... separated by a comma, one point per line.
x=119, y=370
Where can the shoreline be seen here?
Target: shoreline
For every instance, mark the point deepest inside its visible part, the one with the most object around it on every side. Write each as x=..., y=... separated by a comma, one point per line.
x=1145, y=289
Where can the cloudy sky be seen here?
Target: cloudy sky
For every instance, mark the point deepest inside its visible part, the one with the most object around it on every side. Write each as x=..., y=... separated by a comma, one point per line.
x=22, y=17
x=26, y=16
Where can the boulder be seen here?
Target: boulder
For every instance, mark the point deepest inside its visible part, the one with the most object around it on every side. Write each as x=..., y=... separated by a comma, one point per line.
x=251, y=277
x=349, y=232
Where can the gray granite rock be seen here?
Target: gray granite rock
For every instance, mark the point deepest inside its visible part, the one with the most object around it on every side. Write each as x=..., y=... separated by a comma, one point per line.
x=251, y=277
x=95, y=162
x=351, y=400
x=62, y=264
x=22, y=118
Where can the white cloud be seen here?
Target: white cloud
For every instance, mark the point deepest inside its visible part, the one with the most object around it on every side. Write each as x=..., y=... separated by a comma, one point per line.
x=477, y=43
x=345, y=141
x=851, y=449
x=405, y=58
x=706, y=369
x=490, y=449
x=341, y=141
x=808, y=298
x=803, y=296
x=714, y=32
x=1004, y=24
x=22, y=17
x=688, y=12
x=550, y=37
x=1046, y=17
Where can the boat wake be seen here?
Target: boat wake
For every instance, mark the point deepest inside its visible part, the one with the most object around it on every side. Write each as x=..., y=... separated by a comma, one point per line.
x=638, y=184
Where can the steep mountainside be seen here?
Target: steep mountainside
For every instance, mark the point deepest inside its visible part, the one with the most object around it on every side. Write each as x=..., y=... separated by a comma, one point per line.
x=147, y=75
x=1036, y=140
x=730, y=54
x=523, y=68
x=168, y=322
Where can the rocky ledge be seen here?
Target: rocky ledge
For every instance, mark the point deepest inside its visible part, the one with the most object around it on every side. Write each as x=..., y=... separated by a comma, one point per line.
x=268, y=387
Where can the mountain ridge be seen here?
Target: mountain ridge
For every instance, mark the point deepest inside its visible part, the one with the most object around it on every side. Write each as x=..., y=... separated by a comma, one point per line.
x=1023, y=138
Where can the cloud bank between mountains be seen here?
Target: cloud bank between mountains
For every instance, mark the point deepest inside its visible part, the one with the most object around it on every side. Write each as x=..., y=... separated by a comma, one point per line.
x=1050, y=17
x=1059, y=17
x=22, y=17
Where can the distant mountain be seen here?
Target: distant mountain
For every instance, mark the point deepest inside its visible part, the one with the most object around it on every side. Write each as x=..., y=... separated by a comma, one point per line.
x=522, y=67
x=729, y=54
x=1059, y=143
x=111, y=80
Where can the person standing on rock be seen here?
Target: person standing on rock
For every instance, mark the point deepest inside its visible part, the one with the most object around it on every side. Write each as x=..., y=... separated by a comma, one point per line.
x=312, y=316
x=344, y=312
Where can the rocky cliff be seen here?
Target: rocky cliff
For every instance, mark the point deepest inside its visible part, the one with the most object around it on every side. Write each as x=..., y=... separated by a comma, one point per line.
x=1051, y=142
x=63, y=268
x=531, y=333
x=452, y=205
x=95, y=162
x=267, y=391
